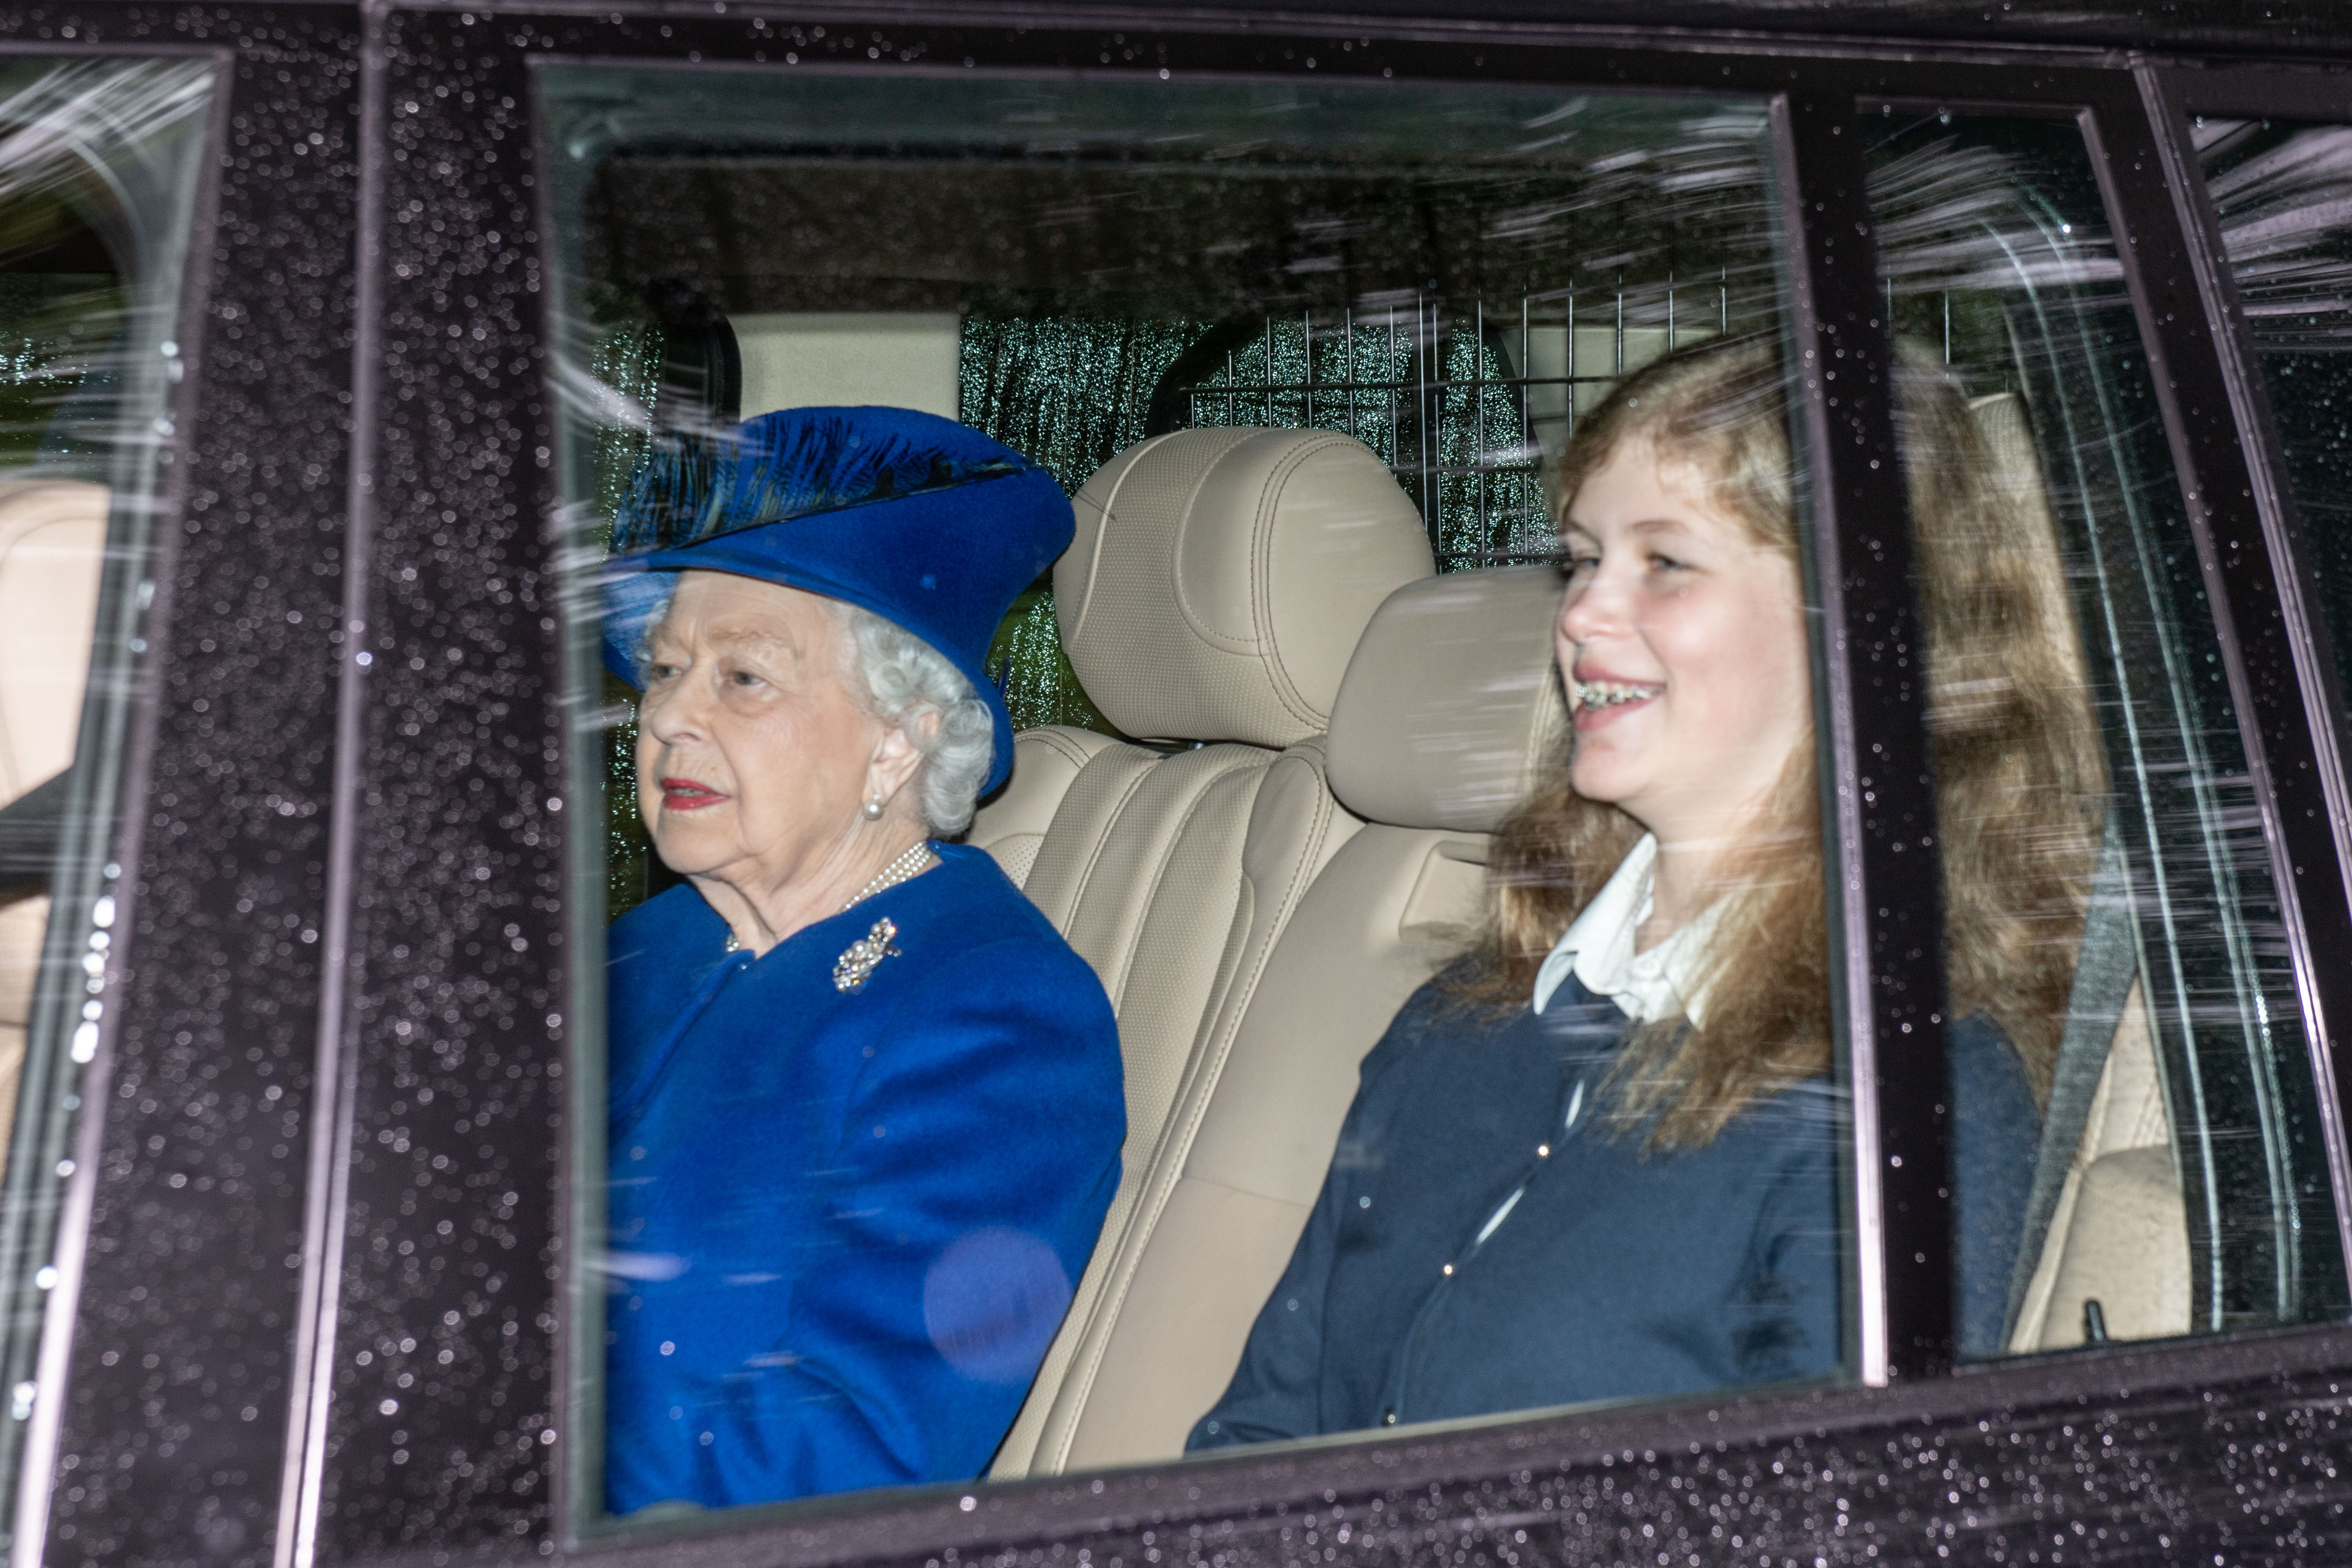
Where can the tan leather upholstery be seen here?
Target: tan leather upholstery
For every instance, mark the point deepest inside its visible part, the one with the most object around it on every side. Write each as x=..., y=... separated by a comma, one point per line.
x=1220, y=578
x=1450, y=700
x=1225, y=577
x=52, y=546
x=1254, y=1125
x=1046, y=762
x=24, y=921
x=2120, y=1233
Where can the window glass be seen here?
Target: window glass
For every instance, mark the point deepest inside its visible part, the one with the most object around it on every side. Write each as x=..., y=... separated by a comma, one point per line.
x=2107, y=887
x=97, y=164
x=2281, y=190
x=1304, y=373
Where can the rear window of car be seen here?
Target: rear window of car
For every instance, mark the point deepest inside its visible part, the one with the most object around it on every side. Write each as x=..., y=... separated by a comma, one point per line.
x=1447, y=283
x=96, y=212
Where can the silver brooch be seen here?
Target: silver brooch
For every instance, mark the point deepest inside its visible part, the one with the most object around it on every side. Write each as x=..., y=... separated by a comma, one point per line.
x=858, y=960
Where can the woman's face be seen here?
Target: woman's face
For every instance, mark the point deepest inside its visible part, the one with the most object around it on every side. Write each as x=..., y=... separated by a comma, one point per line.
x=1684, y=641
x=752, y=761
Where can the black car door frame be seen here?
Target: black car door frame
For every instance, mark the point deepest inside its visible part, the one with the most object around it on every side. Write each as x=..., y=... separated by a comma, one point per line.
x=436, y=1027
x=1891, y=979
x=2298, y=655
x=178, y=1244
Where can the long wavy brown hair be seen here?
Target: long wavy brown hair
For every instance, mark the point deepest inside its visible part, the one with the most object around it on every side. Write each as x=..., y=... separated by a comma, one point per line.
x=2019, y=783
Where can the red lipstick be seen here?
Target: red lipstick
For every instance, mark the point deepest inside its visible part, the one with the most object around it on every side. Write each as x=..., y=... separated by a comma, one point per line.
x=688, y=794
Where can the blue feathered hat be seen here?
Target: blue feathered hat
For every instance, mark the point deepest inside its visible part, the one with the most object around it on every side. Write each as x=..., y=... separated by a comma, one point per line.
x=926, y=523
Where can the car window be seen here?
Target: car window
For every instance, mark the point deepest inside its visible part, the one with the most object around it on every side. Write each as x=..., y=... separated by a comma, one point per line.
x=1317, y=368
x=2279, y=190
x=96, y=176
x=2178, y=1183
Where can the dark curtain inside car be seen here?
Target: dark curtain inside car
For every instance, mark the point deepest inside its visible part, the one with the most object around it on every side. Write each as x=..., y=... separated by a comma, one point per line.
x=1068, y=392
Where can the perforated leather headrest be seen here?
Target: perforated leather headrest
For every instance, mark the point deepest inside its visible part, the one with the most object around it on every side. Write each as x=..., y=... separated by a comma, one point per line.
x=1452, y=702
x=1220, y=579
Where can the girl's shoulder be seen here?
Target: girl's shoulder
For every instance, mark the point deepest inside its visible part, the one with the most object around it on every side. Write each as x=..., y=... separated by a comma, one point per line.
x=1440, y=1022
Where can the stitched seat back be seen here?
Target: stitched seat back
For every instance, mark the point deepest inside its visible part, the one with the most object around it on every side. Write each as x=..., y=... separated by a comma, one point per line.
x=1448, y=701
x=2106, y=1221
x=1217, y=586
x=52, y=545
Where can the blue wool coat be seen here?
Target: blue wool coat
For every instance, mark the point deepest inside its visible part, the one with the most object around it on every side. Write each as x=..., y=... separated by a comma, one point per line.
x=844, y=1225
x=1615, y=1273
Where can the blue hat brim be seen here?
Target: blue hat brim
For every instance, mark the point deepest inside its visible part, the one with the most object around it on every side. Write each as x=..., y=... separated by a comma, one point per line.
x=636, y=588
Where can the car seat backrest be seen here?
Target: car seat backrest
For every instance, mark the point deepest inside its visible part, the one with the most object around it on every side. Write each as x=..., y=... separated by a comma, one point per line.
x=2119, y=1233
x=1045, y=761
x=1448, y=704
x=1218, y=584
x=2105, y=1221
x=52, y=546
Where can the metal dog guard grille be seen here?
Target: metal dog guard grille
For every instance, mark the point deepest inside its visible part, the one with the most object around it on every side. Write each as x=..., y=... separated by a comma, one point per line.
x=1469, y=410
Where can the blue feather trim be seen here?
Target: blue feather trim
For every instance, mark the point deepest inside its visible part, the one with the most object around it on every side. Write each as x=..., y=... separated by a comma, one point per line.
x=802, y=462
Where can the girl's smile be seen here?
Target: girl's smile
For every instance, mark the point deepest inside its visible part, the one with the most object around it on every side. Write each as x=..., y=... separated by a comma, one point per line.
x=1596, y=698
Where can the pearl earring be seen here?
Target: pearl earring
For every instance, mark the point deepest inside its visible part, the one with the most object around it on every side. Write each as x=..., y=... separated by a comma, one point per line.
x=873, y=810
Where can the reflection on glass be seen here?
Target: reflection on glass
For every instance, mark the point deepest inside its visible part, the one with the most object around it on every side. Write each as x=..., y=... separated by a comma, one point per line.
x=97, y=174
x=1318, y=366
x=2284, y=193
x=2177, y=1184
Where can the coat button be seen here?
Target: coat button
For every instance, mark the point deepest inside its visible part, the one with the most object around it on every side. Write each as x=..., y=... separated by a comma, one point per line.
x=1387, y=1416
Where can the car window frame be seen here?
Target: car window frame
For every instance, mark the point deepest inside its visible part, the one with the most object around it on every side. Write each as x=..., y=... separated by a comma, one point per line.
x=174, y=645
x=1818, y=84
x=1860, y=582
x=2319, y=783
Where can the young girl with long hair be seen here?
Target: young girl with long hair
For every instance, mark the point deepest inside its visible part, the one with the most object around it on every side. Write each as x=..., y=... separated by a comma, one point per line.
x=1598, y=1157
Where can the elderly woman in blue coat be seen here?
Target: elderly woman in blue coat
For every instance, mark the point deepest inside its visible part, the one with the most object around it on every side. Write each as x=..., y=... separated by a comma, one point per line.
x=865, y=1104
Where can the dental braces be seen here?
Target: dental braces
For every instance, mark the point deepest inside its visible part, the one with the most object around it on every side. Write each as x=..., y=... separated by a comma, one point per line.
x=1585, y=697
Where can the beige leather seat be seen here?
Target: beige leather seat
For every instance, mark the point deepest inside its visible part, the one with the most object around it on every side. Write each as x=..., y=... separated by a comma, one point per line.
x=2118, y=1234
x=1449, y=698
x=1211, y=601
x=52, y=544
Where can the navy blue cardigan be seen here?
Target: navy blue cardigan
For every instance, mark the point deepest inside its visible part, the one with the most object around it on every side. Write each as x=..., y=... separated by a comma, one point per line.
x=1615, y=1273
x=844, y=1225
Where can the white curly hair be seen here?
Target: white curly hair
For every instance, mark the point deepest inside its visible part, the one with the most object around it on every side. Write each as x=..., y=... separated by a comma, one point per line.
x=903, y=678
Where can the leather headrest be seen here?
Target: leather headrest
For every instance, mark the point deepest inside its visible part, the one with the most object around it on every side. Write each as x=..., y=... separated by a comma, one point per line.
x=1220, y=579
x=1451, y=703
x=52, y=544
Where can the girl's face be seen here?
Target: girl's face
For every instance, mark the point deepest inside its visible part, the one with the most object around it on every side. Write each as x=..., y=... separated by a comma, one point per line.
x=1683, y=639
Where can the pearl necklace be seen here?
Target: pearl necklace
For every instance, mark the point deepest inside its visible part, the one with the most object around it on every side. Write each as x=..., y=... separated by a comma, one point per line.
x=916, y=860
